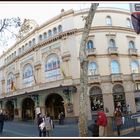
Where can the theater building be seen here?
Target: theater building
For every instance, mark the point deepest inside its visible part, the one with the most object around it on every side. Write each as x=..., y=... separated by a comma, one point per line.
x=42, y=69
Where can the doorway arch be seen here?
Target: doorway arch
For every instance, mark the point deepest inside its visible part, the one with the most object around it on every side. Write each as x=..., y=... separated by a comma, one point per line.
x=54, y=105
x=119, y=97
x=28, y=109
x=9, y=109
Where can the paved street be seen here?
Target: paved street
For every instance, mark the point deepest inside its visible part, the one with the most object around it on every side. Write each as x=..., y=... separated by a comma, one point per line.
x=29, y=129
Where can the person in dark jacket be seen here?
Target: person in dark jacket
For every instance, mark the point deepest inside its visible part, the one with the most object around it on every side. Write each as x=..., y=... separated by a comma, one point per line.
x=39, y=121
x=2, y=118
x=94, y=128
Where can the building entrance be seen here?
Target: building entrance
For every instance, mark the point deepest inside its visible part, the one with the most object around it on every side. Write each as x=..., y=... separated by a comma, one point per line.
x=28, y=109
x=9, y=109
x=54, y=105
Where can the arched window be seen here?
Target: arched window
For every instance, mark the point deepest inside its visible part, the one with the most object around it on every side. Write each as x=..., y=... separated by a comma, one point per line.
x=112, y=43
x=33, y=41
x=28, y=76
x=60, y=28
x=131, y=44
x=115, y=67
x=23, y=48
x=108, y=20
x=52, y=67
x=119, y=97
x=96, y=98
x=40, y=38
x=90, y=44
x=10, y=79
x=54, y=30
x=134, y=67
x=49, y=33
x=30, y=43
x=92, y=68
x=128, y=23
x=45, y=35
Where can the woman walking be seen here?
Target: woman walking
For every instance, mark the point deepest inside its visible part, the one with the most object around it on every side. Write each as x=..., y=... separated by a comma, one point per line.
x=118, y=119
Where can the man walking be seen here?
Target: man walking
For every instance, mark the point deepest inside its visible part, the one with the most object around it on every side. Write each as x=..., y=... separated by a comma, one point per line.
x=2, y=118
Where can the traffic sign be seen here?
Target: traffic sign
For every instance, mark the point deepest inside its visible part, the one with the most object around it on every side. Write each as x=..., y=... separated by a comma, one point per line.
x=135, y=116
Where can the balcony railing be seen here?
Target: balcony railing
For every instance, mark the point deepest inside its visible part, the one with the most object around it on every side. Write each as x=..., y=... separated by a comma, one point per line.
x=132, y=51
x=91, y=51
x=136, y=76
x=113, y=50
x=117, y=77
x=94, y=79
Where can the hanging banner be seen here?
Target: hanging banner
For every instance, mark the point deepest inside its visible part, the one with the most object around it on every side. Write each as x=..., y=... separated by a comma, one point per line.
x=135, y=16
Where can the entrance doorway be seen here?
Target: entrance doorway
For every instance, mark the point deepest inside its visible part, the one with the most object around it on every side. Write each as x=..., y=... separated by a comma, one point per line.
x=9, y=109
x=28, y=109
x=54, y=105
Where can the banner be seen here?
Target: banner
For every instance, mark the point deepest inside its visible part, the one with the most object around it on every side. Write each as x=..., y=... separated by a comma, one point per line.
x=135, y=16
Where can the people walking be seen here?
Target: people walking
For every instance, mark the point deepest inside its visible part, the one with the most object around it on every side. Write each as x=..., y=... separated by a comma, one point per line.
x=94, y=128
x=102, y=122
x=41, y=125
x=2, y=118
x=48, y=124
x=118, y=119
x=61, y=118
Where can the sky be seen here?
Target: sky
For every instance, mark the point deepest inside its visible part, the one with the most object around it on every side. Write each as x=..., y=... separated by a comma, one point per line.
x=43, y=11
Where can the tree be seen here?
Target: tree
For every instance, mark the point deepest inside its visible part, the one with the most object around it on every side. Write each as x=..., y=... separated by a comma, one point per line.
x=83, y=72
x=7, y=29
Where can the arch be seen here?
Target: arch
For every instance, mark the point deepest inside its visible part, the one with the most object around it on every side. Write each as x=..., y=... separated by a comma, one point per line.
x=108, y=20
x=28, y=109
x=115, y=68
x=40, y=37
x=90, y=44
x=96, y=98
x=60, y=28
x=49, y=33
x=92, y=68
x=131, y=44
x=10, y=79
x=112, y=43
x=119, y=97
x=54, y=105
x=45, y=35
x=9, y=109
x=134, y=67
x=54, y=30
x=28, y=76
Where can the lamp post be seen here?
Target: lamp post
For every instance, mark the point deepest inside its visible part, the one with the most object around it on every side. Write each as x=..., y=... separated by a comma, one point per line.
x=67, y=92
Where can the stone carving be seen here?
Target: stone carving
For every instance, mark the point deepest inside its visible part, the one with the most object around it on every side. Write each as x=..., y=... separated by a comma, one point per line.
x=27, y=26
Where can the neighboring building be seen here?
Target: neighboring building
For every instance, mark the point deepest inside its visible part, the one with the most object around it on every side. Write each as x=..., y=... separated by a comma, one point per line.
x=43, y=70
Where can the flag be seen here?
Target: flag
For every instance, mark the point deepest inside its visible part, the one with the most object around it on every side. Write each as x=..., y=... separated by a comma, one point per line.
x=62, y=70
x=13, y=87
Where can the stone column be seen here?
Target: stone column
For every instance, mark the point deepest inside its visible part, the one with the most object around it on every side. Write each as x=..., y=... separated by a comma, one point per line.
x=3, y=87
x=37, y=73
x=17, y=80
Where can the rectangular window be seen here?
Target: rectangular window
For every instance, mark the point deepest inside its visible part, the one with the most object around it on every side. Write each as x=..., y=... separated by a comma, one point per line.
x=137, y=86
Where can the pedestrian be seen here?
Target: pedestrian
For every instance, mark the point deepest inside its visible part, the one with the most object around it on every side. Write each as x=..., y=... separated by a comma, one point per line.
x=49, y=125
x=102, y=122
x=2, y=118
x=94, y=128
x=118, y=119
x=128, y=109
x=61, y=118
x=41, y=125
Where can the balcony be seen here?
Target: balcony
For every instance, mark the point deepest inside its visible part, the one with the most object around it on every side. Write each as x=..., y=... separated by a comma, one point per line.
x=91, y=52
x=118, y=77
x=113, y=50
x=136, y=76
x=132, y=51
x=94, y=79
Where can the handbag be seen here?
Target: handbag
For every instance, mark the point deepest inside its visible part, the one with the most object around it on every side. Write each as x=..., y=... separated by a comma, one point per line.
x=42, y=125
